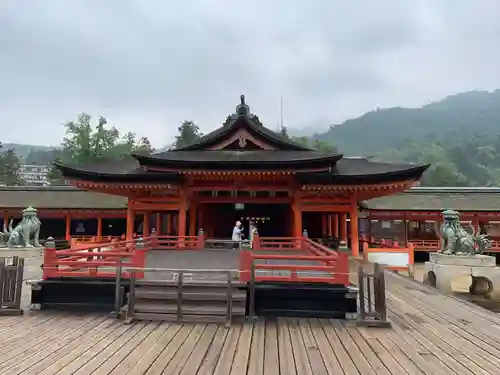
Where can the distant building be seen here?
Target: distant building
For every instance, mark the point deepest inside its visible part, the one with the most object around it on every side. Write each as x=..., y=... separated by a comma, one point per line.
x=34, y=174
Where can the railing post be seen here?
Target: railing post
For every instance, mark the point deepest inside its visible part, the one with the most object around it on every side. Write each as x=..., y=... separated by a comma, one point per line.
x=118, y=287
x=361, y=293
x=229, y=312
x=200, y=240
x=256, y=245
x=154, y=237
x=131, y=300
x=245, y=265
x=304, y=243
x=379, y=290
x=343, y=268
x=180, y=283
x=50, y=259
x=139, y=256
x=3, y=277
x=251, y=292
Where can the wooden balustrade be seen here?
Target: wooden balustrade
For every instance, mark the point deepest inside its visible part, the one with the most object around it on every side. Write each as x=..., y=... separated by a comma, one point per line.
x=99, y=259
x=315, y=264
x=426, y=245
x=94, y=260
x=276, y=243
x=179, y=242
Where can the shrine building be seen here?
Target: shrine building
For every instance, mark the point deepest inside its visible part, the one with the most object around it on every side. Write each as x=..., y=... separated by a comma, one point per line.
x=244, y=171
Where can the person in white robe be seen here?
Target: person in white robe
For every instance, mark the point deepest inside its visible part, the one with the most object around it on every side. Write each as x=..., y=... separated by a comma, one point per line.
x=237, y=234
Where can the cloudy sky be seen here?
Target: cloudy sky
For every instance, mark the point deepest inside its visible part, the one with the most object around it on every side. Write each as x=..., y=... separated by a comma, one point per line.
x=146, y=65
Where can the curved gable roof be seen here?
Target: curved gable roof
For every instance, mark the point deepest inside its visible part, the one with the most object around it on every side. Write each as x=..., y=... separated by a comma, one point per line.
x=243, y=119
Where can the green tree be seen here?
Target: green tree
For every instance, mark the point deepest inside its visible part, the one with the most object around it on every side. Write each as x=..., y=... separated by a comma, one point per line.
x=9, y=169
x=55, y=176
x=85, y=143
x=303, y=141
x=323, y=146
x=189, y=133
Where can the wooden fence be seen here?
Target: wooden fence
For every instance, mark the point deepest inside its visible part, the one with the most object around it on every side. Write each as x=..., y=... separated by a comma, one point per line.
x=372, y=298
x=11, y=284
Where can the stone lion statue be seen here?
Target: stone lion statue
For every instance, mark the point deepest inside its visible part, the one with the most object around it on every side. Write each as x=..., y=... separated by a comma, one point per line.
x=27, y=229
x=456, y=240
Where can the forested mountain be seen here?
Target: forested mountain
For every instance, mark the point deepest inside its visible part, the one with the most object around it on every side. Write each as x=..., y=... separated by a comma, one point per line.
x=475, y=112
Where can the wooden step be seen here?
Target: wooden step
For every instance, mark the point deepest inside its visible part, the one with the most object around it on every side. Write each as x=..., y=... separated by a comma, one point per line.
x=189, y=294
x=190, y=283
x=188, y=308
x=198, y=319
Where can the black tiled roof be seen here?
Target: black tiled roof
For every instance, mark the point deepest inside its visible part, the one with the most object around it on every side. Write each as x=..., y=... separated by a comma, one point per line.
x=439, y=199
x=244, y=160
x=363, y=170
x=122, y=171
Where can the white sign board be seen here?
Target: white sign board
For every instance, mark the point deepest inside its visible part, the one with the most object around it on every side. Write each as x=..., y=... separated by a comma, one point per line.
x=391, y=259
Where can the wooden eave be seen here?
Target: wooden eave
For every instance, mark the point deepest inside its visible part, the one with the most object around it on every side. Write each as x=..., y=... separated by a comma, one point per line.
x=364, y=192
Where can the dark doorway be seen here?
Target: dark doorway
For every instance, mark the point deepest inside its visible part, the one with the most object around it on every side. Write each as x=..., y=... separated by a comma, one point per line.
x=85, y=227
x=273, y=220
x=55, y=228
x=114, y=227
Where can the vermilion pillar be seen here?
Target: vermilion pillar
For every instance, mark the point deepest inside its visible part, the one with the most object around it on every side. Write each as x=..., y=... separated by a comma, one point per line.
x=343, y=227
x=68, y=227
x=297, y=217
x=329, y=225
x=130, y=222
x=169, y=224
x=335, y=225
x=181, y=225
x=324, y=224
x=146, y=225
x=192, y=220
x=354, y=231
x=200, y=217
x=99, y=228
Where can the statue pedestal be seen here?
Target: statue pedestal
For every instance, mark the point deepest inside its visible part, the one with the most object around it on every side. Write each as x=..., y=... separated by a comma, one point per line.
x=442, y=269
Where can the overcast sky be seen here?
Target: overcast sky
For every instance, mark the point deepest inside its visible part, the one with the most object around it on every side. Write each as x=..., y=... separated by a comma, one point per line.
x=147, y=65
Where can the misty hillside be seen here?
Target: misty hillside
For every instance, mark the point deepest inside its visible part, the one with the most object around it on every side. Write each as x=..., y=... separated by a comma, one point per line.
x=22, y=150
x=475, y=112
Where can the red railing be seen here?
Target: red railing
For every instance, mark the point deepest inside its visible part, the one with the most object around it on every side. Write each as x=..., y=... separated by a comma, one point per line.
x=276, y=243
x=317, y=264
x=426, y=245
x=179, y=242
x=94, y=260
x=100, y=259
x=495, y=246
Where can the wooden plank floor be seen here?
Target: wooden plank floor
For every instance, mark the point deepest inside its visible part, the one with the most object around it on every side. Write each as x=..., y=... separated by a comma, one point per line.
x=431, y=334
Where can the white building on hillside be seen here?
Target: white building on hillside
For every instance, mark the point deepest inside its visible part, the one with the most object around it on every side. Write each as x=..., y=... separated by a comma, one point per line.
x=34, y=174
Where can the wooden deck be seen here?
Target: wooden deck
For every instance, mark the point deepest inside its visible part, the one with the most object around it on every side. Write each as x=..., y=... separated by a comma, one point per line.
x=431, y=334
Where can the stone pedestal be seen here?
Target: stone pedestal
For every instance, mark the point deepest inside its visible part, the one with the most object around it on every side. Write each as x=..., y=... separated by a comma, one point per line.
x=442, y=269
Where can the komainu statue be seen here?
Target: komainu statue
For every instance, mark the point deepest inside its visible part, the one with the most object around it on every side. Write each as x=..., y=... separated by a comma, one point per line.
x=457, y=241
x=26, y=233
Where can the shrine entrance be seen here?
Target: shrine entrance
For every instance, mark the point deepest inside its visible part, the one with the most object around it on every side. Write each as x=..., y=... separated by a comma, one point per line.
x=273, y=220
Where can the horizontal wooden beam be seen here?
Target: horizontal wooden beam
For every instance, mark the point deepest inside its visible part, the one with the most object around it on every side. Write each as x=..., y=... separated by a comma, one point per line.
x=325, y=208
x=249, y=200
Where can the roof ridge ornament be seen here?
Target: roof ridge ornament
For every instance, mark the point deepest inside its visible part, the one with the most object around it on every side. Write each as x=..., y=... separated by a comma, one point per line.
x=242, y=109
